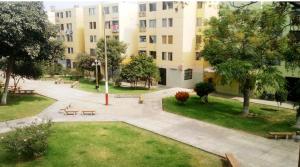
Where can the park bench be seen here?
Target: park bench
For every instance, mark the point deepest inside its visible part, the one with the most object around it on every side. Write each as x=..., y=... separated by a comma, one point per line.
x=232, y=161
x=58, y=81
x=68, y=111
x=141, y=99
x=281, y=135
x=74, y=84
x=88, y=112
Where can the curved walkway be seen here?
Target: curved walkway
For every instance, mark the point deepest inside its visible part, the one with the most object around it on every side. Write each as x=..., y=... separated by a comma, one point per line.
x=250, y=150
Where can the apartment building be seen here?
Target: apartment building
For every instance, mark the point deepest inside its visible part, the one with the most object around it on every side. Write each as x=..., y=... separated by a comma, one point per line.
x=93, y=27
x=171, y=32
x=120, y=22
x=70, y=22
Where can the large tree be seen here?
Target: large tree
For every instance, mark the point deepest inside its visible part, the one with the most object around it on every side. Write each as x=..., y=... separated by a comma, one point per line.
x=115, y=49
x=25, y=35
x=140, y=68
x=245, y=45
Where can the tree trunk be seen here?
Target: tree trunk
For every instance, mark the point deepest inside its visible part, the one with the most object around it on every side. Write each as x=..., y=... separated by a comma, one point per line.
x=7, y=77
x=246, y=94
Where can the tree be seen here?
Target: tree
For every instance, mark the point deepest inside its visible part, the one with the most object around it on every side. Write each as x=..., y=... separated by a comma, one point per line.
x=26, y=35
x=203, y=89
x=85, y=63
x=245, y=45
x=115, y=49
x=140, y=68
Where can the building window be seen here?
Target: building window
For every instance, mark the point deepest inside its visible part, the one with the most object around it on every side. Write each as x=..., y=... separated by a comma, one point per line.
x=152, y=23
x=91, y=11
x=107, y=37
x=163, y=55
x=69, y=26
x=106, y=10
x=142, y=7
x=61, y=15
x=167, y=5
x=198, y=39
x=142, y=52
x=199, y=5
x=62, y=27
x=164, y=22
x=107, y=24
x=115, y=26
x=170, y=21
x=115, y=9
x=68, y=63
x=116, y=37
x=93, y=38
x=69, y=38
x=57, y=14
x=92, y=52
x=170, y=56
x=68, y=13
x=152, y=54
x=198, y=55
x=152, y=39
x=199, y=21
x=143, y=24
x=164, y=39
x=170, y=39
x=188, y=74
x=143, y=39
x=152, y=7
x=70, y=50
x=92, y=25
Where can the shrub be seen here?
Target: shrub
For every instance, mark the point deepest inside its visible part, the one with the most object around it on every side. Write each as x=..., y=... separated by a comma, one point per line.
x=27, y=142
x=203, y=89
x=182, y=96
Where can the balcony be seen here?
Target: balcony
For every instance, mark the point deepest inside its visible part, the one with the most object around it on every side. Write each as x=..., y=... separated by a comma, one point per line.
x=142, y=29
x=142, y=14
x=115, y=28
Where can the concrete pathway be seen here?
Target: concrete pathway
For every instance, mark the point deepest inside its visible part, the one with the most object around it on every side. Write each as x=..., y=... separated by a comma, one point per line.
x=250, y=150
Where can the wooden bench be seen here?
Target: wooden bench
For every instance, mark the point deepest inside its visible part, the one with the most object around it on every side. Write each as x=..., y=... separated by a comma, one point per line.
x=281, y=135
x=88, y=112
x=71, y=112
x=74, y=84
x=232, y=161
x=141, y=99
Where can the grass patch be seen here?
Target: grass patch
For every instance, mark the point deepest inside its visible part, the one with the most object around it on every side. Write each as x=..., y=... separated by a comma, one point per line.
x=113, y=144
x=227, y=113
x=88, y=85
x=20, y=106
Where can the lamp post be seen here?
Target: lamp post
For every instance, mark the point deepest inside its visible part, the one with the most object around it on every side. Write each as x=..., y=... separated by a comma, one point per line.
x=96, y=65
x=105, y=53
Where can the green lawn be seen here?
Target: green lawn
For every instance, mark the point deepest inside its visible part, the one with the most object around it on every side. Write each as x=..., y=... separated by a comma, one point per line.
x=89, y=86
x=20, y=106
x=113, y=144
x=227, y=113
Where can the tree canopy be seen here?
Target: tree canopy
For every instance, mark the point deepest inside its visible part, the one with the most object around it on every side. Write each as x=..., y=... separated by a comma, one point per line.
x=26, y=35
x=115, y=49
x=246, y=45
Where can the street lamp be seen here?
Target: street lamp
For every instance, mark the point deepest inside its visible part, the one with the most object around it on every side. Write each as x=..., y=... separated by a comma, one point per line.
x=96, y=65
x=105, y=53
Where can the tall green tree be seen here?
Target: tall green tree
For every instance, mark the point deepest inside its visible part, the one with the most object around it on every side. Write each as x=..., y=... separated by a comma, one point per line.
x=245, y=45
x=140, y=68
x=115, y=49
x=85, y=63
x=25, y=35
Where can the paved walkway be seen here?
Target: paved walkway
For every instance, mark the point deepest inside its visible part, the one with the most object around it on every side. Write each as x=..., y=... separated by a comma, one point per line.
x=250, y=150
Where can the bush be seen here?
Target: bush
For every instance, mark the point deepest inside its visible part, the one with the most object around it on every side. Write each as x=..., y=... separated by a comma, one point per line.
x=182, y=96
x=267, y=96
x=27, y=142
x=203, y=89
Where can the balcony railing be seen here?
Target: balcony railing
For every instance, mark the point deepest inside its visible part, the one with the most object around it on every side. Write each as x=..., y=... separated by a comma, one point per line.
x=142, y=14
x=115, y=28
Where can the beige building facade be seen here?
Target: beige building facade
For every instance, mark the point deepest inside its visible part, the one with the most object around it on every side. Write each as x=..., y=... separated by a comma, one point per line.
x=70, y=22
x=170, y=32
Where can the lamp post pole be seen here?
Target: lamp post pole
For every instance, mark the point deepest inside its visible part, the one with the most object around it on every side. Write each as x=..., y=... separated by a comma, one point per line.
x=96, y=65
x=106, y=71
